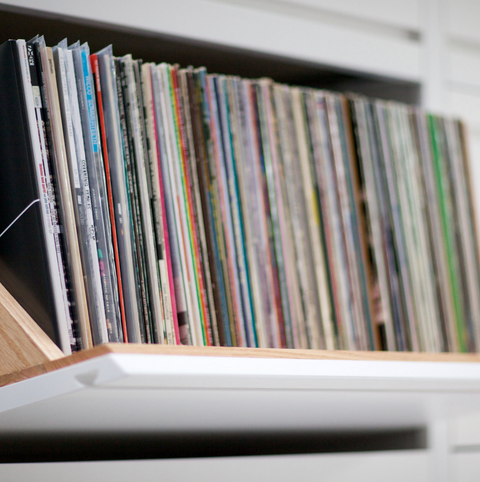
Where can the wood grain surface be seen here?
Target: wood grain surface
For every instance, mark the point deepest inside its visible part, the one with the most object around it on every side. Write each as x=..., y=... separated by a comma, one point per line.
x=22, y=342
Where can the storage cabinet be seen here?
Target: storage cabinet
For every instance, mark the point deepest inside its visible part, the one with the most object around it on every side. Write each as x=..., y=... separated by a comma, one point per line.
x=424, y=51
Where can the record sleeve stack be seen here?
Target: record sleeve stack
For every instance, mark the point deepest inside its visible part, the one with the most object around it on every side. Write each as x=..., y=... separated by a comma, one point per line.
x=149, y=203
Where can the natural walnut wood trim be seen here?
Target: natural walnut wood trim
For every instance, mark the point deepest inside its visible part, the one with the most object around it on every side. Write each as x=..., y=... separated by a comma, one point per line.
x=232, y=352
x=22, y=342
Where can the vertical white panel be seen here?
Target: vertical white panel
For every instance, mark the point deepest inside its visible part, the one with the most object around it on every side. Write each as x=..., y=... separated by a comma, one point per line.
x=438, y=445
x=433, y=65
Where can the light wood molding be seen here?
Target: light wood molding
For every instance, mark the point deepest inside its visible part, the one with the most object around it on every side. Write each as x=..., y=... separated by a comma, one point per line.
x=22, y=342
x=137, y=349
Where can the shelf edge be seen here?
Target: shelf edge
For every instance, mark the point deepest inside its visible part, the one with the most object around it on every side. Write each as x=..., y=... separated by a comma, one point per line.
x=272, y=353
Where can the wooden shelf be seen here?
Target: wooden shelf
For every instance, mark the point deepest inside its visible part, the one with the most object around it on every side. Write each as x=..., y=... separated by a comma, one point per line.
x=27, y=352
x=241, y=353
x=117, y=389
x=151, y=389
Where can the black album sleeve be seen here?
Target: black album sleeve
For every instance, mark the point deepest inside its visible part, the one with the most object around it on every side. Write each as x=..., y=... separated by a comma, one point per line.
x=23, y=260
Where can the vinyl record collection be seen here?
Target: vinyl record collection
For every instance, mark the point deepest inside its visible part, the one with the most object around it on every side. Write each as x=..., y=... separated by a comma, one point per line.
x=182, y=207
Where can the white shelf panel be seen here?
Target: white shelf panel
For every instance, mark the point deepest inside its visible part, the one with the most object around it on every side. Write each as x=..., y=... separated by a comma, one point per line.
x=166, y=393
x=372, y=467
x=298, y=37
x=399, y=13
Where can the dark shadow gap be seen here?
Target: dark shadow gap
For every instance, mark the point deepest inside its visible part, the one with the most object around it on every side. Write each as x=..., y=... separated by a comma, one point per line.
x=31, y=448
